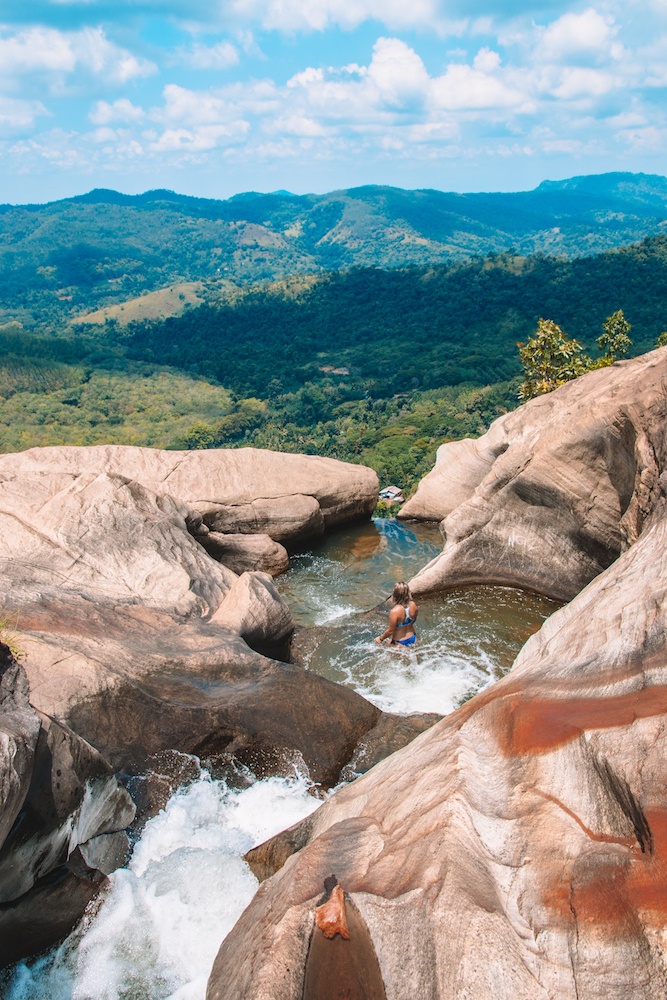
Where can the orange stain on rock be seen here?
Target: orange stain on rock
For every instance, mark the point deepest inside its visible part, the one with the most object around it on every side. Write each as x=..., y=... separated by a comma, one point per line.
x=529, y=726
x=618, y=896
x=330, y=916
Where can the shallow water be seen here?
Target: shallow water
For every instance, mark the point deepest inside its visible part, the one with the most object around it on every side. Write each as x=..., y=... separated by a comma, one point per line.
x=155, y=933
x=466, y=638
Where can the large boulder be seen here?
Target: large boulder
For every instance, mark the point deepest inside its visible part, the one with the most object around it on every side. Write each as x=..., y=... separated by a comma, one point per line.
x=104, y=537
x=254, y=609
x=60, y=804
x=140, y=642
x=514, y=851
x=134, y=682
x=245, y=553
x=553, y=493
x=244, y=490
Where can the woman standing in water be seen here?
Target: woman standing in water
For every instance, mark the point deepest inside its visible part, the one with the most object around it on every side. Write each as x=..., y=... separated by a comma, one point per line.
x=402, y=617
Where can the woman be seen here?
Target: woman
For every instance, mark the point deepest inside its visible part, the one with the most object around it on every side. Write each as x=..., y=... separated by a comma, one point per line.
x=402, y=617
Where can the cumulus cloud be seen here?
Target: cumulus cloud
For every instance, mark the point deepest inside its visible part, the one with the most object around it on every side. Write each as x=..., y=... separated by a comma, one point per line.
x=586, y=36
x=48, y=51
x=122, y=110
x=490, y=86
x=18, y=114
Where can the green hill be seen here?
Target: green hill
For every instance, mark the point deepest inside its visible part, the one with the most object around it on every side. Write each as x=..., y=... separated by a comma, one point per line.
x=71, y=257
x=417, y=327
x=366, y=365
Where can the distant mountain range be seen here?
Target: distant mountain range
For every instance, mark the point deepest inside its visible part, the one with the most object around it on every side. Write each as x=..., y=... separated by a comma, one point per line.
x=68, y=257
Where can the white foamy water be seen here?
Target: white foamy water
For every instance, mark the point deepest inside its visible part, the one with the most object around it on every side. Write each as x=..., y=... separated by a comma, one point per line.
x=423, y=679
x=155, y=933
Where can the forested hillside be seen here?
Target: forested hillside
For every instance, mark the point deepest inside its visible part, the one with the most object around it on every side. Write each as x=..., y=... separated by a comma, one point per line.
x=70, y=257
x=365, y=365
x=399, y=330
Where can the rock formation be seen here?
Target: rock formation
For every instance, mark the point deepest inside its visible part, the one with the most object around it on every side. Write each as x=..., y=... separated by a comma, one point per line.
x=244, y=490
x=141, y=642
x=61, y=826
x=517, y=848
x=137, y=641
x=554, y=491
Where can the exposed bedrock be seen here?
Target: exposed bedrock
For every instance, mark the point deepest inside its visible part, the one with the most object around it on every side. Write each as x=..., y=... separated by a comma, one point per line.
x=134, y=682
x=244, y=490
x=518, y=849
x=140, y=642
x=555, y=490
x=64, y=801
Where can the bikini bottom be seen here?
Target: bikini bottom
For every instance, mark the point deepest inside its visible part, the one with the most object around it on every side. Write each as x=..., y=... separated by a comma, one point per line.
x=410, y=641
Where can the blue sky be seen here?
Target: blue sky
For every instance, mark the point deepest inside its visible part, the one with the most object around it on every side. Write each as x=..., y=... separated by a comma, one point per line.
x=214, y=97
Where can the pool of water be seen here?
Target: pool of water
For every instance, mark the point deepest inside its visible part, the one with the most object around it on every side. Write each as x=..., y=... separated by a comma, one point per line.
x=467, y=638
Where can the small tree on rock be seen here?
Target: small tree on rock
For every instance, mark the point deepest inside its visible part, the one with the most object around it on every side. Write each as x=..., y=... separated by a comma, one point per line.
x=662, y=339
x=550, y=359
x=614, y=341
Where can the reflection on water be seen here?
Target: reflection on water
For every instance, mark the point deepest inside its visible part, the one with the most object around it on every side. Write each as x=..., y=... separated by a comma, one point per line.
x=467, y=638
x=354, y=569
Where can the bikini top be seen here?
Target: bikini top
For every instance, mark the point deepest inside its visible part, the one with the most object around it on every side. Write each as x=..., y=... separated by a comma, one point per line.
x=407, y=620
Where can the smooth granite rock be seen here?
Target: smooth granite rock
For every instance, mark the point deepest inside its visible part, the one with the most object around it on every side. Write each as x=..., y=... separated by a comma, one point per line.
x=514, y=851
x=554, y=492
x=246, y=490
x=254, y=609
x=245, y=553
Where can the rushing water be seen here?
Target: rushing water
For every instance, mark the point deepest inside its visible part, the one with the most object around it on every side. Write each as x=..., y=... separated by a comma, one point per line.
x=467, y=638
x=154, y=934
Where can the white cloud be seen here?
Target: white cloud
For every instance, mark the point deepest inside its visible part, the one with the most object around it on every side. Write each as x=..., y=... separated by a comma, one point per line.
x=46, y=50
x=462, y=87
x=649, y=137
x=397, y=72
x=200, y=138
x=220, y=56
x=19, y=114
x=577, y=82
x=121, y=110
x=317, y=15
x=196, y=121
x=578, y=36
x=486, y=61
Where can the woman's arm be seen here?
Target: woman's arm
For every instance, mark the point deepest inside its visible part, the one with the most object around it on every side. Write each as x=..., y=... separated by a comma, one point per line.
x=391, y=627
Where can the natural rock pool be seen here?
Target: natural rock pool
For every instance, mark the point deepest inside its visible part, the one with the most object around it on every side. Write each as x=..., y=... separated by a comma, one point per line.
x=154, y=934
x=466, y=638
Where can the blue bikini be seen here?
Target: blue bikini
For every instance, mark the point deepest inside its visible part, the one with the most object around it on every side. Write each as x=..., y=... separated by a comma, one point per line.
x=411, y=639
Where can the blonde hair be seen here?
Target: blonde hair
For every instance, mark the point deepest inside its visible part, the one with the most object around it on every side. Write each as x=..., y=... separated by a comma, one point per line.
x=401, y=593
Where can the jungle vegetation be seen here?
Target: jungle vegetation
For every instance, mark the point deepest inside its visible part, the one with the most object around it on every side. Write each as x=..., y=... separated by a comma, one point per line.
x=365, y=365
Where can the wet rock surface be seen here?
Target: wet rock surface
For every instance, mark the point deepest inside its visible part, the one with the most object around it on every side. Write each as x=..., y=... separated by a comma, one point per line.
x=63, y=796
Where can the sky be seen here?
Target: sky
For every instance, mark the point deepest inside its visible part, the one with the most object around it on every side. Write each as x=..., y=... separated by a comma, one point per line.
x=215, y=97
